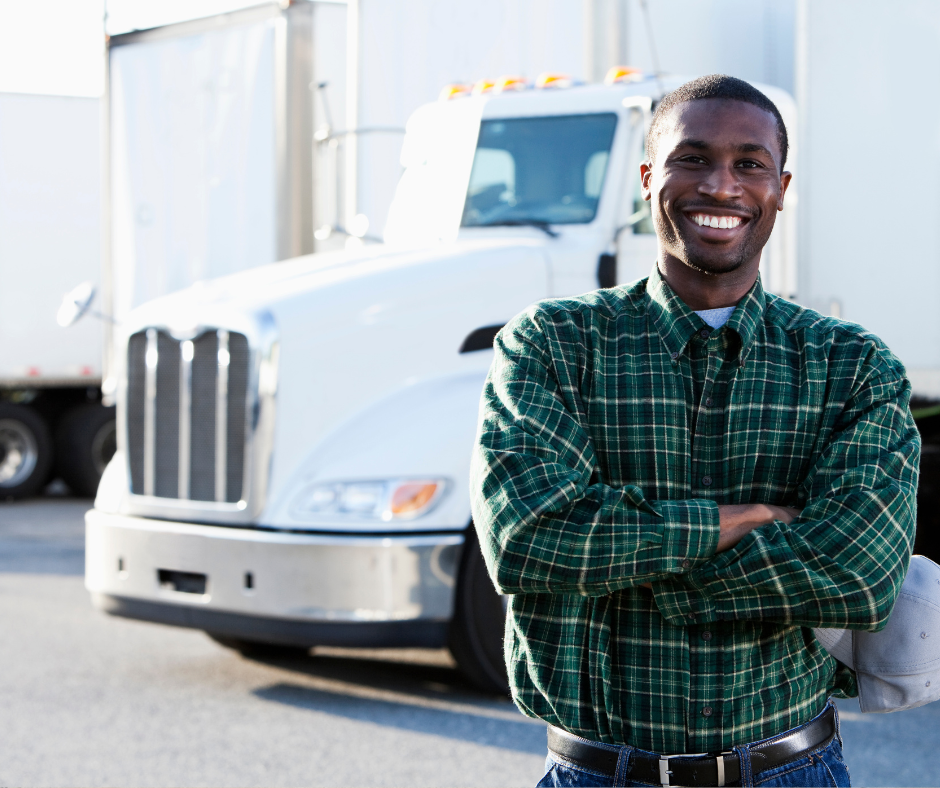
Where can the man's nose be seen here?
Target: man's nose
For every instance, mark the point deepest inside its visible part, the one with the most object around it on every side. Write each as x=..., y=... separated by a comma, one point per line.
x=721, y=184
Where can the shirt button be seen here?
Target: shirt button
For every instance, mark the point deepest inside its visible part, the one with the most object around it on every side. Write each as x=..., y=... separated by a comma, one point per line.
x=708, y=402
x=673, y=356
x=704, y=333
x=686, y=564
x=706, y=635
x=707, y=711
x=707, y=481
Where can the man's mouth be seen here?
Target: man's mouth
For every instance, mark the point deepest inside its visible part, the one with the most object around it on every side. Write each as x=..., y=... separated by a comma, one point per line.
x=717, y=222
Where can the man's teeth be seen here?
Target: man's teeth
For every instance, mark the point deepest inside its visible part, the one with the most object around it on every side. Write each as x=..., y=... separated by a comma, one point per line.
x=720, y=222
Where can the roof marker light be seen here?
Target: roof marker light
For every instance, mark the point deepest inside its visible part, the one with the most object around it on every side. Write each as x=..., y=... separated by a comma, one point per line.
x=622, y=74
x=507, y=83
x=550, y=80
x=482, y=86
x=453, y=90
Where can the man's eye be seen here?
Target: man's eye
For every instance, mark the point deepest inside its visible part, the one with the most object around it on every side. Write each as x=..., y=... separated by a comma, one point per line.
x=749, y=164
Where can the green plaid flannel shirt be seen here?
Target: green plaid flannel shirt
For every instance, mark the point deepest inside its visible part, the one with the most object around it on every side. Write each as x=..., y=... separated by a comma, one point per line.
x=611, y=427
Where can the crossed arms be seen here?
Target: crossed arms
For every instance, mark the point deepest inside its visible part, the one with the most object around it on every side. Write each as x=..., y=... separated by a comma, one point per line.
x=547, y=526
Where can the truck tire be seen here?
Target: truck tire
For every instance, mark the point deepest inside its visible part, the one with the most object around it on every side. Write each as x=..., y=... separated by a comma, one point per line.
x=927, y=541
x=25, y=451
x=476, y=630
x=86, y=439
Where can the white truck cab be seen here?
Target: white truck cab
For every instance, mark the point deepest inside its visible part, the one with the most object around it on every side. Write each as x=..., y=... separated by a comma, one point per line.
x=294, y=441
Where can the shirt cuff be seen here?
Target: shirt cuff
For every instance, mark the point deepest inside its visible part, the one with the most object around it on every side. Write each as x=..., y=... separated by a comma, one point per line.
x=690, y=533
x=690, y=537
x=680, y=604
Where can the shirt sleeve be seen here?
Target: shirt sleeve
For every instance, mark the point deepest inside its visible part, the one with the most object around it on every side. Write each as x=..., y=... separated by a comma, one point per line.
x=841, y=563
x=546, y=525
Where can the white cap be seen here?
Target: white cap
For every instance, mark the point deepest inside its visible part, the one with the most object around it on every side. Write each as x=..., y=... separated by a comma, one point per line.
x=899, y=667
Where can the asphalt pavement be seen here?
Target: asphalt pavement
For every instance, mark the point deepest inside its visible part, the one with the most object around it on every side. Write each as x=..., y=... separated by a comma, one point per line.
x=92, y=700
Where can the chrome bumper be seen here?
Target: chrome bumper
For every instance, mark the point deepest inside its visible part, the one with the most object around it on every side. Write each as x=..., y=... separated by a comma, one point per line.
x=274, y=586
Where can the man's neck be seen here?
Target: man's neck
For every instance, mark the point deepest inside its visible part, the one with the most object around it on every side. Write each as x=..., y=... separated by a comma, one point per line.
x=700, y=291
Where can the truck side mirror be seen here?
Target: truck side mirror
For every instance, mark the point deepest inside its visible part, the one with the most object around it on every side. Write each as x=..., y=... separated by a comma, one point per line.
x=75, y=304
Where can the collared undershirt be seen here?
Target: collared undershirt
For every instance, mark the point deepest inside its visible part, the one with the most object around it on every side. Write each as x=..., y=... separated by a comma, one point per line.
x=716, y=318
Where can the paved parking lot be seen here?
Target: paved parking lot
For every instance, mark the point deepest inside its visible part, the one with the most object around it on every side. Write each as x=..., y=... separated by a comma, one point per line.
x=93, y=700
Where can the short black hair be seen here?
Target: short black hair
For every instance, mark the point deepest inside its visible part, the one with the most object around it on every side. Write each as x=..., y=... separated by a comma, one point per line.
x=715, y=86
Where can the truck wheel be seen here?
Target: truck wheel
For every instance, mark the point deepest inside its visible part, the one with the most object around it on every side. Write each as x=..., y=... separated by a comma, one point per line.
x=927, y=541
x=86, y=440
x=476, y=630
x=254, y=648
x=25, y=451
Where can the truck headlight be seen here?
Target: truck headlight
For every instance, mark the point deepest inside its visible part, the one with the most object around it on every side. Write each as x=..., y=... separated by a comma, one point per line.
x=385, y=499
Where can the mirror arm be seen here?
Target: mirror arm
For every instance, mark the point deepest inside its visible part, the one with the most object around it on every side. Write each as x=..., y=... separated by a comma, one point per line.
x=632, y=219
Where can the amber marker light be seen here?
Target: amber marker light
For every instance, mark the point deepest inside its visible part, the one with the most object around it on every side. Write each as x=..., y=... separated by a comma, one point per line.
x=482, y=86
x=454, y=90
x=618, y=74
x=385, y=499
x=550, y=80
x=506, y=83
x=413, y=497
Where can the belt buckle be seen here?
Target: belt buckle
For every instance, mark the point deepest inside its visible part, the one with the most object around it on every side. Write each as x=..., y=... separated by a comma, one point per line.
x=664, y=771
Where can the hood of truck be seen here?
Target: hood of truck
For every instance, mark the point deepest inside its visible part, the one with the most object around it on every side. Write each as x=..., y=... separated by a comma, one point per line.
x=352, y=329
x=266, y=286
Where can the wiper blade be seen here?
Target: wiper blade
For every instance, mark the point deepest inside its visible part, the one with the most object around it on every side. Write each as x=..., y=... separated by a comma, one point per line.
x=543, y=226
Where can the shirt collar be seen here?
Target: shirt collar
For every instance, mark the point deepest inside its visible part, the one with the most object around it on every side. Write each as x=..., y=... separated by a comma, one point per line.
x=676, y=323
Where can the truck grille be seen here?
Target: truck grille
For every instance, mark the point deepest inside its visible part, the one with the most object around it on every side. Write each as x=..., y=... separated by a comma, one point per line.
x=186, y=415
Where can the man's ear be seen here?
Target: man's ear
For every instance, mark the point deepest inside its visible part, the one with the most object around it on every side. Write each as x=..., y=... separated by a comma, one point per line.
x=784, y=183
x=646, y=172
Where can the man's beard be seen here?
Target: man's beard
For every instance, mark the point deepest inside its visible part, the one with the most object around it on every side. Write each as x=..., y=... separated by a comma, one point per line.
x=717, y=263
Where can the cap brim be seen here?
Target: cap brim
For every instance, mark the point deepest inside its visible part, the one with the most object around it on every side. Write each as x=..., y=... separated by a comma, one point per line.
x=884, y=694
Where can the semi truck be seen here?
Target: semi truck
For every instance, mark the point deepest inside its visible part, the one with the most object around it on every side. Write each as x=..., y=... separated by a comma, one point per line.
x=52, y=420
x=213, y=110
x=294, y=440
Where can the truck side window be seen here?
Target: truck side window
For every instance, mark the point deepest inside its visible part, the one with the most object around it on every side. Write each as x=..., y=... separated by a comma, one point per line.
x=594, y=172
x=493, y=179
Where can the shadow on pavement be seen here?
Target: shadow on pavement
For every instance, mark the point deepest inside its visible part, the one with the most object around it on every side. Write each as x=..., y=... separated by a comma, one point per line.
x=424, y=698
x=520, y=735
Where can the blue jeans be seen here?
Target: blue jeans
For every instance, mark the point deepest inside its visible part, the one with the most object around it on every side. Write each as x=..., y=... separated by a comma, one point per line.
x=822, y=767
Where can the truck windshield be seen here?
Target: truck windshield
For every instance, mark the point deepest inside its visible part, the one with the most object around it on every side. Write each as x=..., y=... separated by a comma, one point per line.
x=539, y=170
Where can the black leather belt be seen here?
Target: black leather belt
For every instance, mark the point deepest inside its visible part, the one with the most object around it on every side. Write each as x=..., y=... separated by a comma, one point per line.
x=693, y=770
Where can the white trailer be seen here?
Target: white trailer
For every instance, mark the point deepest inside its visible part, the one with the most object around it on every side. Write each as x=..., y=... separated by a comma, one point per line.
x=869, y=197
x=51, y=417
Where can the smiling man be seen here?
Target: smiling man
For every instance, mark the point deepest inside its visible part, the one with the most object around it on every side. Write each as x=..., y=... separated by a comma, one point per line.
x=676, y=480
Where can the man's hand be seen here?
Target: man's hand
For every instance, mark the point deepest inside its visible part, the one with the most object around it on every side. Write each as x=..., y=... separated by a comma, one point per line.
x=737, y=520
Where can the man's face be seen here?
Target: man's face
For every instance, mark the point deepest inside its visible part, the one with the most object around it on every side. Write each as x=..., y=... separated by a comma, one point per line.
x=717, y=163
